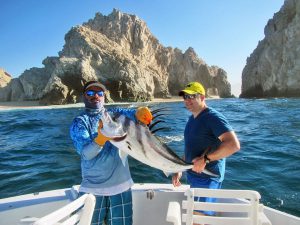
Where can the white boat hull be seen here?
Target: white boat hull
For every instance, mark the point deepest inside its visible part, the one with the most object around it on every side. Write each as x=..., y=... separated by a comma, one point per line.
x=150, y=204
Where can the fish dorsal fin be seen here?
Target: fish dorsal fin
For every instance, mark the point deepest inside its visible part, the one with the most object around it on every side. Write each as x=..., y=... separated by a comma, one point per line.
x=158, y=129
x=164, y=109
x=155, y=123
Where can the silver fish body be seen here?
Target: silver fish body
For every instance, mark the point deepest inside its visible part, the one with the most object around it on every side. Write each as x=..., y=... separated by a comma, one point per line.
x=137, y=141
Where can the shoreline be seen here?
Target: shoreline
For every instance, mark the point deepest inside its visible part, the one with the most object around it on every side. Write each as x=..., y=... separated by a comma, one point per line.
x=35, y=104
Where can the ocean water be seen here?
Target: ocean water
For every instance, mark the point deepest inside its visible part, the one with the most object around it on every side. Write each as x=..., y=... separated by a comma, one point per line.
x=36, y=153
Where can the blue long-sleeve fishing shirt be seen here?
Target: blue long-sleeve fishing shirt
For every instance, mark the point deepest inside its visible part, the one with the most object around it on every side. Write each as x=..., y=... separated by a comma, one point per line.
x=103, y=172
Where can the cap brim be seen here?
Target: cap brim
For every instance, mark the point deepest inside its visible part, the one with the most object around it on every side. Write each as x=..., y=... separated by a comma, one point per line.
x=96, y=85
x=189, y=92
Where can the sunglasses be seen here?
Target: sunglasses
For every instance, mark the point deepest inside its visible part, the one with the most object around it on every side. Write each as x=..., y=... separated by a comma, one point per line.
x=189, y=96
x=91, y=93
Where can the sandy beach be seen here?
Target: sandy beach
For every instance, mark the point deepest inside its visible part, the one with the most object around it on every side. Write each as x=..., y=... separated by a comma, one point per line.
x=35, y=104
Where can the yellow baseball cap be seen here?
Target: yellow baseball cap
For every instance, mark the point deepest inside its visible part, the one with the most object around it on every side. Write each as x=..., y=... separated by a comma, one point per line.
x=193, y=88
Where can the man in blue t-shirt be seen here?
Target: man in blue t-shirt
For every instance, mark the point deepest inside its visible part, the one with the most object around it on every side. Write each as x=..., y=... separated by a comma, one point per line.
x=208, y=140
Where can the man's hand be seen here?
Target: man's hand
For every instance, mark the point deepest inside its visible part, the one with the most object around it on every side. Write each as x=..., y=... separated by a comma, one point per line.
x=101, y=139
x=144, y=115
x=176, y=179
x=199, y=164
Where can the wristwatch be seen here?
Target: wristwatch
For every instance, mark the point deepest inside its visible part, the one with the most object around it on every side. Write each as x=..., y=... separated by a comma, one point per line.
x=206, y=159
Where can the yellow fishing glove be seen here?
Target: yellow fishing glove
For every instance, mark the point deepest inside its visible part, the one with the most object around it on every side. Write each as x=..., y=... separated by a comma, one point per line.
x=144, y=115
x=101, y=139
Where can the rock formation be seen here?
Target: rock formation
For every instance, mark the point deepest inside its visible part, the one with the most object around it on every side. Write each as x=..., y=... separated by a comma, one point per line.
x=273, y=69
x=5, y=78
x=119, y=51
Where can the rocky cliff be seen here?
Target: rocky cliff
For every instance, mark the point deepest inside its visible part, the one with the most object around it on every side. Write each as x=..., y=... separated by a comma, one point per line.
x=273, y=69
x=5, y=78
x=119, y=51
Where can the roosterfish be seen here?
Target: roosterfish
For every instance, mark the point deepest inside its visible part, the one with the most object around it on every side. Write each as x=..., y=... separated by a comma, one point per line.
x=136, y=139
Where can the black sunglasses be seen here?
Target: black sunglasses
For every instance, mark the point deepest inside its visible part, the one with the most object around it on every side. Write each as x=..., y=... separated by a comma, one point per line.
x=91, y=93
x=190, y=96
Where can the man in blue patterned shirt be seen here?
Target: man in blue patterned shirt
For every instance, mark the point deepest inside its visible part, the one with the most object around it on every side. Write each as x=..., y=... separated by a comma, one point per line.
x=103, y=172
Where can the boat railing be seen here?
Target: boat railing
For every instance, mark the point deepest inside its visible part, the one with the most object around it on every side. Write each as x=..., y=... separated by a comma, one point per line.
x=79, y=211
x=246, y=212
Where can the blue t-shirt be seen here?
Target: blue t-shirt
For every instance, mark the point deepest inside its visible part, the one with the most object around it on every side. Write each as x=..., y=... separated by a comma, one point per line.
x=202, y=133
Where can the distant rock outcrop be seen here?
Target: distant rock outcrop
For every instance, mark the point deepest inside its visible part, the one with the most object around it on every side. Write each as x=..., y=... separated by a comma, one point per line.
x=119, y=51
x=5, y=78
x=273, y=69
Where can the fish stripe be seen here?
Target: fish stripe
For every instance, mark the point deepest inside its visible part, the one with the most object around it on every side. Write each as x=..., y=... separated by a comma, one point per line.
x=126, y=124
x=138, y=133
x=170, y=155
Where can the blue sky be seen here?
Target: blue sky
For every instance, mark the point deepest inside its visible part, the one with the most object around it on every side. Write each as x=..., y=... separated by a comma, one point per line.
x=222, y=32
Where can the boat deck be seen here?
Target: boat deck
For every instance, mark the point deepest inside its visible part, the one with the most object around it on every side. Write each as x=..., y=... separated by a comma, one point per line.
x=150, y=205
